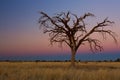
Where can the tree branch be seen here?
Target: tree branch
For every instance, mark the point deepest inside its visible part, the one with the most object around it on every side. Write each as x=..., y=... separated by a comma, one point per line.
x=60, y=30
x=94, y=44
x=106, y=22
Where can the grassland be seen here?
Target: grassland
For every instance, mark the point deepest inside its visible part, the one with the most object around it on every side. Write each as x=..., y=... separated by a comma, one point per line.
x=59, y=71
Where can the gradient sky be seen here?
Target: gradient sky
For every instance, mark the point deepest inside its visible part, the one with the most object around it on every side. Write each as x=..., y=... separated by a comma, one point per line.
x=19, y=28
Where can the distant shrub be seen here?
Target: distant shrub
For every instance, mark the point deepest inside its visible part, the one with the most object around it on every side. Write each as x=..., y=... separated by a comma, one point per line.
x=117, y=60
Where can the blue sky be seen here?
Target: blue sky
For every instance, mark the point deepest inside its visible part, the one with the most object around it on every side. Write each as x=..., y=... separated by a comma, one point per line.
x=19, y=28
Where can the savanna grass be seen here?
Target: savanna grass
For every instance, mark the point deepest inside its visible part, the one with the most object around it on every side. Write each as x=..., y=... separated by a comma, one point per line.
x=59, y=71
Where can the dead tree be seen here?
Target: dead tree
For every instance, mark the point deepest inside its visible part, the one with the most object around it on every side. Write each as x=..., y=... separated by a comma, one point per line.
x=70, y=29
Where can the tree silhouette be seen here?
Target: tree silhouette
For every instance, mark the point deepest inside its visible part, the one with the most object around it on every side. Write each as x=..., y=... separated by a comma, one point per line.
x=68, y=28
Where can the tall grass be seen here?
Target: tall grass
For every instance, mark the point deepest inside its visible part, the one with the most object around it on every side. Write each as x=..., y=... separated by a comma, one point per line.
x=59, y=71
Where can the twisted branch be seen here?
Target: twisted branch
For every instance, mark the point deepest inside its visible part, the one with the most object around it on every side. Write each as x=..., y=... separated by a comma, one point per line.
x=61, y=31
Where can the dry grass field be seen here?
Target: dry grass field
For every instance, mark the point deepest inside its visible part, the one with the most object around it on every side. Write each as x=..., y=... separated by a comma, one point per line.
x=59, y=71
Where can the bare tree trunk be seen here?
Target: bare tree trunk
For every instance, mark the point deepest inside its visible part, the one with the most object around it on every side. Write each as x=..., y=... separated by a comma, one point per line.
x=73, y=57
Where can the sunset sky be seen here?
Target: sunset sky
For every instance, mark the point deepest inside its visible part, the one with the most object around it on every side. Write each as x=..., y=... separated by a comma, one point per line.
x=20, y=34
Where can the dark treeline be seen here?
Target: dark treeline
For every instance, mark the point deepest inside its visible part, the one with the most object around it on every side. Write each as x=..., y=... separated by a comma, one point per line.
x=116, y=60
